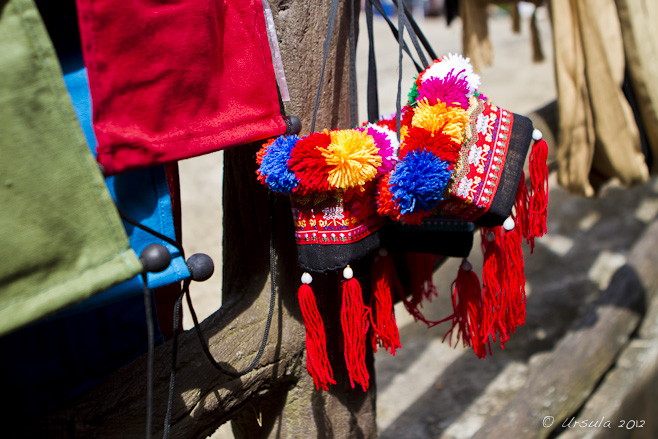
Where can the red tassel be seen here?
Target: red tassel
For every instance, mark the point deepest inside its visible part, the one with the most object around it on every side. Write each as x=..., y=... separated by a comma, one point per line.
x=421, y=270
x=493, y=294
x=384, y=279
x=515, y=277
x=317, y=361
x=539, y=188
x=354, y=321
x=467, y=310
x=521, y=207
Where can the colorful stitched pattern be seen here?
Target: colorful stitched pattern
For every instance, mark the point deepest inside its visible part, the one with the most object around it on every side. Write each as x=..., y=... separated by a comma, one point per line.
x=481, y=161
x=330, y=177
x=338, y=218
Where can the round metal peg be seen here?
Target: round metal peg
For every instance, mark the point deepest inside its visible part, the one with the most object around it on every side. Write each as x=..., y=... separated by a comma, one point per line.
x=155, y=258
x=201, y=267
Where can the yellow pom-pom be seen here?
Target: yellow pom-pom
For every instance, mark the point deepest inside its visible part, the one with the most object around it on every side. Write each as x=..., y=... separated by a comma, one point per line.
x=449, y=120
x=354, y=158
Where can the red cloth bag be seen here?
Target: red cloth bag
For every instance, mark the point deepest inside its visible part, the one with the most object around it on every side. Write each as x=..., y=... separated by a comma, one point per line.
x=173, y=80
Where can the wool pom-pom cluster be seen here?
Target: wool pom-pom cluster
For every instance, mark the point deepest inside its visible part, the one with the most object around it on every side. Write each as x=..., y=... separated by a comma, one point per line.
x=433, y=129
x=412, y=175
x=327, y=161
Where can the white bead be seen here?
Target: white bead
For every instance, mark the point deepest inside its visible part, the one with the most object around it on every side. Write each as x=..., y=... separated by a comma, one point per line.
x=509, y=224
x=536, y=135
x=307, y=278
x=383, y=252
x=348, y=273
x=466, y=265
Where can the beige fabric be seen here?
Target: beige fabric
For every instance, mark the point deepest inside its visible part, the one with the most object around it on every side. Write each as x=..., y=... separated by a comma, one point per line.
x=639, y=20
x=475, y=33
x=598, y=138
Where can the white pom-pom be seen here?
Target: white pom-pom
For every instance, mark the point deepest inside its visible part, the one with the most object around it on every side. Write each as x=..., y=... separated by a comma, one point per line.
x=536, y=135
x=307, y=278
x=348, y=273
x=466, y=265
x=491, y=237
x=509, y=224
x=383, y=252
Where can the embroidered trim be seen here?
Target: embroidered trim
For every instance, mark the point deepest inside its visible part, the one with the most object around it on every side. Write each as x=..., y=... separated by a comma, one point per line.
x=341, y=218
x=481, y=161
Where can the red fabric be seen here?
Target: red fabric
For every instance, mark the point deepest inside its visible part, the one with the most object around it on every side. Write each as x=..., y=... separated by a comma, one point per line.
x=177, y=79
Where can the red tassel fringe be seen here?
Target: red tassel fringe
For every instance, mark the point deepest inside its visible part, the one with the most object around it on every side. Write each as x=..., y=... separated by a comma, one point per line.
x=421, y=269
x=493, y=278
x=385, y=329
x=539, y=190
x=521, y=206
x=317, y=361
x=354, y=317
x=467, y=311
x=515, y=276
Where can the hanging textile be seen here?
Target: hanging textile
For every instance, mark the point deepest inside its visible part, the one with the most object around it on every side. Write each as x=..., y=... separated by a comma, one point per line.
x=62, y=238
x=172, y=81
x=476, y=42
x=638, y=27
x=597, y=138
x=142, y=195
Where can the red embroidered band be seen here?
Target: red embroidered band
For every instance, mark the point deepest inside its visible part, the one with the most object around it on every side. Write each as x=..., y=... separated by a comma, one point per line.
x=481, y=161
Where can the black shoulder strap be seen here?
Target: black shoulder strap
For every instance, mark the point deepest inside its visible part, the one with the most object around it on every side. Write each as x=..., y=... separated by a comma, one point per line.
x=373, y=98
x=378, y=6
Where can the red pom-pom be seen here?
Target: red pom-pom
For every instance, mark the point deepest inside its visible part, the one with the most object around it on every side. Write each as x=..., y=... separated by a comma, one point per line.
x=259, y=159
x=439, y=144
x=407, y=116
x=309, y=165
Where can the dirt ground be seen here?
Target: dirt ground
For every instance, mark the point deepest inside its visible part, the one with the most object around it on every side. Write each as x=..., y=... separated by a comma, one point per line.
x=513, y=82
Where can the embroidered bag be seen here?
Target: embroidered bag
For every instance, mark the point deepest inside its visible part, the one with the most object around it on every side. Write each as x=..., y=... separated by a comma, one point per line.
x=463, y=157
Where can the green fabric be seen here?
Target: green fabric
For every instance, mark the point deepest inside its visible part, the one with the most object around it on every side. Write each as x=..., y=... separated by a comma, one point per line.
x=61, y=238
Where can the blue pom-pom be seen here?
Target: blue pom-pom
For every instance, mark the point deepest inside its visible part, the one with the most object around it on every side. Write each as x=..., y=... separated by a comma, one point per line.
x=274, y=166
x=419, y=181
